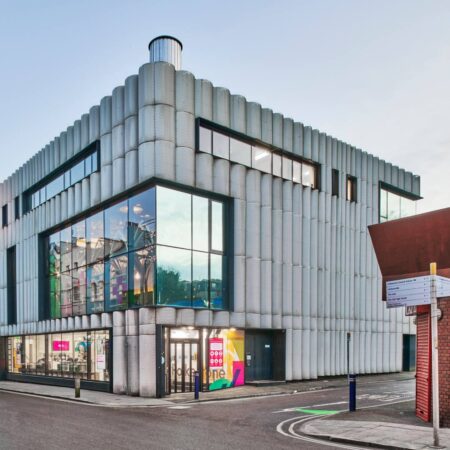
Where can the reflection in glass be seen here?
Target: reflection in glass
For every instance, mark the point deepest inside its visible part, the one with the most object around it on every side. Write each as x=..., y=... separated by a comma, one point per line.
x=116, y=221
x=66, y=249
x=77, y=173
x=296, y=172
x=79, y=244
x=95, y=295
x=308, y=175
x=66, y=294
x=174, y=218
x=240, y=152
x=117, y=283
x=205, y=139
x=54, y=254
x=216, y=226
x=408, y=207
x=143, y=272
x=40, y=354
x=30, y=354
x=216, y=287
x=142, y=220
x=55, y=299
x=276, y=165
x=261, y=159
x=200, y=228
x=221, y=145
x=80, y=353
x=94, y=238
x=200, y=279
x=287, y=168
x=15, y=354
x=79, y=291
x=393, y=206
x=383, y=204
x=173, y=276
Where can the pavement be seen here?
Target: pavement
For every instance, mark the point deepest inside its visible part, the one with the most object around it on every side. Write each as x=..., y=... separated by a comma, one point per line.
x=391, y=426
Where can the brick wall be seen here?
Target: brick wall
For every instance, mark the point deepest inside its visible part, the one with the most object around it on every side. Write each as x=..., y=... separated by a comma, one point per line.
x=444, y=363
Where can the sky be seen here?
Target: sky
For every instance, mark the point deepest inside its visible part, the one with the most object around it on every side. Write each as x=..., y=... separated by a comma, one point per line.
x=375, y=74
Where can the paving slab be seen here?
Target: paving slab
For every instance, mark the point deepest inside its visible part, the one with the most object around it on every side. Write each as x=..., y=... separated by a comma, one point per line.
x=89, y=397
x=378, y=434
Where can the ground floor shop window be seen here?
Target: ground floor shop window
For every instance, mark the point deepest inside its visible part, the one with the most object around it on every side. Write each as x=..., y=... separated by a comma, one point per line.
x=61, y=355
x=216, y=354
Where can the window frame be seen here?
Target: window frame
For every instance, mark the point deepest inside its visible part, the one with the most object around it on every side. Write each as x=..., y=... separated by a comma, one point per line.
x=201, y=123
x=388, y=188
x=335, y=182
x=353, y=197
x=227, y=227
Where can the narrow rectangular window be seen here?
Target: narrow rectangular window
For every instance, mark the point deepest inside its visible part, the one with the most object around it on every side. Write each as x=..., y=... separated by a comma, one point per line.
x=4, y=216
x=335, y=182
x=11, y=285
x=351, y=189
x=17, y=208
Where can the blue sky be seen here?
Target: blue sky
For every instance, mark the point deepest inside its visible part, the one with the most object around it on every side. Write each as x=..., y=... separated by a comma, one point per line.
x=375, y=74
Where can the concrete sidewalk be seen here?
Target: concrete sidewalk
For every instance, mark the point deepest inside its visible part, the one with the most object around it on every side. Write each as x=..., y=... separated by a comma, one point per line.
x=375, y=434
x=391, y=426
x=247, y=391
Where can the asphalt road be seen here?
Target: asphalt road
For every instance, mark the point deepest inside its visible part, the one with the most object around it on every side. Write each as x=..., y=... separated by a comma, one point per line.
x=273, y=422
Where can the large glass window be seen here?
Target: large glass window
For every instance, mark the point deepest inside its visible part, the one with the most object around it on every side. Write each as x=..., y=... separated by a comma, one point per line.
x=174, y=275
x=95, y=294
x=142, y=274
x=116, y=229
x=142, y=220
x=116, y=272
x=395, y=206
x=151, y=249
x=174, y=218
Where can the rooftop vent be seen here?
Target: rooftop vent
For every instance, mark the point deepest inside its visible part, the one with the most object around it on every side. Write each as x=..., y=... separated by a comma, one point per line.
x=167, y=49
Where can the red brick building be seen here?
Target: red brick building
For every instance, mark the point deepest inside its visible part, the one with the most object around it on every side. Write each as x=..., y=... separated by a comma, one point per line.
x=405, y=248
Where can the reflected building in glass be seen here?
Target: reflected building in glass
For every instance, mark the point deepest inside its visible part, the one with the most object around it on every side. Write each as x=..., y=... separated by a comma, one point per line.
x=176, y=227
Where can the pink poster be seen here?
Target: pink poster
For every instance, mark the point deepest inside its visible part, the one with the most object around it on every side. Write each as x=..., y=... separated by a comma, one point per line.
x=61, y=346
x=215, y=352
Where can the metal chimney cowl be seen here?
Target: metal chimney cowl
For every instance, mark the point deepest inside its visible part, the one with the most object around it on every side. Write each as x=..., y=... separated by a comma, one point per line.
x=167, y=49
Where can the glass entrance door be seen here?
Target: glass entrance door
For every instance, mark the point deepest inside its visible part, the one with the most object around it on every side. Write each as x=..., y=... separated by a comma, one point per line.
x=183, y=365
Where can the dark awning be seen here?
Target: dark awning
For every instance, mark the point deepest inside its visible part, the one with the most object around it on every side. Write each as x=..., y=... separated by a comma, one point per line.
x=406, y=247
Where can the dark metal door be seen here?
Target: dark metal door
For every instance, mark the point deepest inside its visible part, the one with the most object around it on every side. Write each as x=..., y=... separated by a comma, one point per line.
x=258, y=356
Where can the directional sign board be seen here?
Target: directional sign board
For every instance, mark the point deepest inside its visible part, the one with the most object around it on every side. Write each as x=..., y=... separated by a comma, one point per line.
x=442, y=286
x=409, y=292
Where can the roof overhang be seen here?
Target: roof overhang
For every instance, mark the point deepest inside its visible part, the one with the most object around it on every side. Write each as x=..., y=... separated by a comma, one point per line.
x=405, y=248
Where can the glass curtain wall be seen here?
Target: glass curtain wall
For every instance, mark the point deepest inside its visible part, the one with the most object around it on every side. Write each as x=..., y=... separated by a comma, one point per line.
x=116, y=259
x=395, y=206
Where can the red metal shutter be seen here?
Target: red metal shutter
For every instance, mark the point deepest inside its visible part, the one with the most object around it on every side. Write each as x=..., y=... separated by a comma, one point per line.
x=423, y=367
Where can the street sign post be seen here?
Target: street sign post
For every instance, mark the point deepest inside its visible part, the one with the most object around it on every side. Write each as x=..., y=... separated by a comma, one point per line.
x=409, y=292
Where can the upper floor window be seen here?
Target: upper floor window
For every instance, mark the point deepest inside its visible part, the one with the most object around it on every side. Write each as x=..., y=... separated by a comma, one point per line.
x=394, y=205
x=4, y=216
x=70, y=173
x=254, y=154
x=17, y=208
x=159, y=247
x=351, y=189
x=335, y=182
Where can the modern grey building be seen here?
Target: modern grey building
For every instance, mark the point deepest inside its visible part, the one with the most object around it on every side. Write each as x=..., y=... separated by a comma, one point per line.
x=176, y=228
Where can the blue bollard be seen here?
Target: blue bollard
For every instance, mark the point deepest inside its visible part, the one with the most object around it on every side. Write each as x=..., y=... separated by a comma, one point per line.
x=352, y=392
x=196, y=385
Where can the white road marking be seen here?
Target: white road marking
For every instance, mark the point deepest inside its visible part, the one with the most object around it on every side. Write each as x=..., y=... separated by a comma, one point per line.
x=309, y=407
x=179, y=407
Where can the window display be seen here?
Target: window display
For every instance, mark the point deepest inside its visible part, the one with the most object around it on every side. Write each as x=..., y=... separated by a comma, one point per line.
x=61, y=354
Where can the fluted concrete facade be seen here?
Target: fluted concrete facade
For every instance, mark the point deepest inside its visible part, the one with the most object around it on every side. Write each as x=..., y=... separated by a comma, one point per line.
x=303, y=260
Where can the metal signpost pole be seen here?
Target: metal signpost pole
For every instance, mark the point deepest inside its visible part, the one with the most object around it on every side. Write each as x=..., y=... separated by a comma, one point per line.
x=434, y=353
x=348, y=355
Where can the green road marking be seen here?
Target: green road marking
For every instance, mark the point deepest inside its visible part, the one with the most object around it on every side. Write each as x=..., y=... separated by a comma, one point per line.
x=317, y=412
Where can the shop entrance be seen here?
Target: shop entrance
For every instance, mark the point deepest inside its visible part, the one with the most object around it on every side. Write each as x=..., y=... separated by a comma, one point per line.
x=184, y=351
